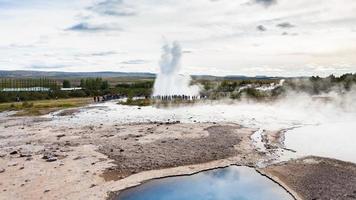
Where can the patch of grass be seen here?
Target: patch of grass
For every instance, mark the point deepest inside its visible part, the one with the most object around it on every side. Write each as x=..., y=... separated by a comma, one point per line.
x=42, y=107
x=136, y=102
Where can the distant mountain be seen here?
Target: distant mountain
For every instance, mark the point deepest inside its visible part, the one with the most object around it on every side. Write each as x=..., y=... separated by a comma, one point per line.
x=55, y=74
x=108, y=74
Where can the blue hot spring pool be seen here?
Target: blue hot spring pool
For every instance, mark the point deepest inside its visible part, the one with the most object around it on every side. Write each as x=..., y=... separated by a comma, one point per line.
x=231, y=183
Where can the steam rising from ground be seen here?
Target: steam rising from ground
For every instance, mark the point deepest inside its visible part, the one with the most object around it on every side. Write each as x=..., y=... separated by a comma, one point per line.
x=169, y=81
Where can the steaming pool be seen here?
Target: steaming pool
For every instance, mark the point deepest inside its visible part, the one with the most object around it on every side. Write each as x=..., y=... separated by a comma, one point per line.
x=231, y=183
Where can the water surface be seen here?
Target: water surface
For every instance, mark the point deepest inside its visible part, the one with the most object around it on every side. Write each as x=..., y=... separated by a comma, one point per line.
x=232, y=183
x=333, y=140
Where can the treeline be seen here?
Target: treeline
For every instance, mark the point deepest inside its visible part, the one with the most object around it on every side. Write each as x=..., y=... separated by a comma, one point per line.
x=94, y=84
x=141, y=88
x=90, y=87
x=28, y=83
x=233, y=89
x=237, y=89
x=317, y=85
x=253, y=89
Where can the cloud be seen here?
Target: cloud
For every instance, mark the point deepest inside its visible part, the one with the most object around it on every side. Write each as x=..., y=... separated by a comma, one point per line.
x=85, y=27
x=225, y=30
x=117, y=8
x=261, y=28
x=105, y=53
x=265, y=2
x=187, y=51
x=285, y=25
x=135, y=62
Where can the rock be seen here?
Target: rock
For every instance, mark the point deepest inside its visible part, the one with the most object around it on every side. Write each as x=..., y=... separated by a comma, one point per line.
x=22, y=155
x=13, y=152
x=51, y=159
x=29, y=159
x=21, y=168
x=46, y=191
x=78, y=158
x=92, y=185
x=2, y=170
x=60, y=136
x=12, y=164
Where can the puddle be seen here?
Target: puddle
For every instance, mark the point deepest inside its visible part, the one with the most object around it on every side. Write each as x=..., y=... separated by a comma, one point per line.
x=231, y=183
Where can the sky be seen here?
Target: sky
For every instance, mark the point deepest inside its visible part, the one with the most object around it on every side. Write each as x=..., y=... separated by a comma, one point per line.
x=218, y=37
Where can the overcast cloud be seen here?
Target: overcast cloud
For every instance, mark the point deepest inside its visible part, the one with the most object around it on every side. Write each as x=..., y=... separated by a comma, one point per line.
x=248, y=37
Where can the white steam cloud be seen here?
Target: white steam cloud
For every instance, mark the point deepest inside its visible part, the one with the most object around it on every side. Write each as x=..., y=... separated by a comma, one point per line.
x=169, y=81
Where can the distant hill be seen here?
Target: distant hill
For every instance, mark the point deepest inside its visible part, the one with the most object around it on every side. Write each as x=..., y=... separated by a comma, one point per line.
x=55, y=74
x=108, y=74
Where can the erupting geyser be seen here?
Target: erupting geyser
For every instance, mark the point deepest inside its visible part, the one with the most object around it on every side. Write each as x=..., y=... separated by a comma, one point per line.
x=169, y=81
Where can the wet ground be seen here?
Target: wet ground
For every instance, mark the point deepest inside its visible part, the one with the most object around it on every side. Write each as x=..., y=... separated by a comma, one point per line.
x=317, y=178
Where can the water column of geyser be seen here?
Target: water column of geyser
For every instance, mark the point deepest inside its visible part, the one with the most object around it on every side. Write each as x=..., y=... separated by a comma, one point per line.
x=170, y=84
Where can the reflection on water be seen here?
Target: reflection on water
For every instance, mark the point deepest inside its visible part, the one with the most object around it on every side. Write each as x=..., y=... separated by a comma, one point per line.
x=232, y=183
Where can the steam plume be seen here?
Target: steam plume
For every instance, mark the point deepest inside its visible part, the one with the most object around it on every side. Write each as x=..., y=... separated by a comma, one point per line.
x=169, y=81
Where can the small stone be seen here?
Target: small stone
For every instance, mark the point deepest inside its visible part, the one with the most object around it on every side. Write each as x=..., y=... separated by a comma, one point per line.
x=29, y=159
x=13, y=152
x=22, y=155
x=61, y=135
x=2, y=170
x=12, y=164
x=46, y=191
x=92, y=185
x=78, y=158
x=21, y=168
x=51, y=159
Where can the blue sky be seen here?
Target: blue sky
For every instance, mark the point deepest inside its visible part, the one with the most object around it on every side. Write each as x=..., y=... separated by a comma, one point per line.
x=219, y=37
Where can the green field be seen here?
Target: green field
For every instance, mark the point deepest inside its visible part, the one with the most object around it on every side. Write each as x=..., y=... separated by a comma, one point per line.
x=41, y=107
